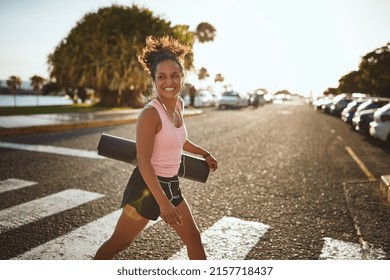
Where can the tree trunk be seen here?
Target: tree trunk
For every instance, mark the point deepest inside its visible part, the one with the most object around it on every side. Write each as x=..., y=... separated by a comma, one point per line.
x=109, y=98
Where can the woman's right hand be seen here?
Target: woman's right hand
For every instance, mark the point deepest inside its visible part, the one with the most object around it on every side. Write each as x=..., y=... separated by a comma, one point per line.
x=170, y=214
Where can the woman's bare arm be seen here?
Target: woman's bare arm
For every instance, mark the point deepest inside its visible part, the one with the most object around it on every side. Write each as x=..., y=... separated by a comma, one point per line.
x=197, y=150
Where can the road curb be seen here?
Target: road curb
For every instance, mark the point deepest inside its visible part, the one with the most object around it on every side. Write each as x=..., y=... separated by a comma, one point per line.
x=384, y=188
x=17, y=131
x=60, y=127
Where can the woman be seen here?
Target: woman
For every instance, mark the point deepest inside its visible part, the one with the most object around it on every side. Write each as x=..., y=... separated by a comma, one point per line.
x=153, y=188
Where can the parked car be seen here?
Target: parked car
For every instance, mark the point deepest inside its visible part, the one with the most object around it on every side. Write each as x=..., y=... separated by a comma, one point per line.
x=317, y=104
x=202, y=99
x=339, y=103
x=281, y=97
x=233, y=99
x=256, y=99
x=380, y=127
x=216, y=98
x=363, y=120
x=325, y=106
x=349, y=112
x=371, y=103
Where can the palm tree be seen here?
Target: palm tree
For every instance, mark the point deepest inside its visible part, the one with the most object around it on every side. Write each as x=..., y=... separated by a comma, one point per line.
x=203, y=74
x=14, y=83
x=219, y=78
x=36, y=82
x=205, y=32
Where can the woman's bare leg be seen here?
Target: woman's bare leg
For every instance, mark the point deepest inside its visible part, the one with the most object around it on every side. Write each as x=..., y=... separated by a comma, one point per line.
x=129, y=226
x=189, y=233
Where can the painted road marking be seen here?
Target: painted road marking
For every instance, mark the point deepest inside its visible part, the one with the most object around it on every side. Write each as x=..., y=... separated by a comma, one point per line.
x=228, y=239
x=284, y=112
x=14, y=184
x=52, y=150
x=334, y=249
x=362, y=166
x=79, y=244
x=43, y=207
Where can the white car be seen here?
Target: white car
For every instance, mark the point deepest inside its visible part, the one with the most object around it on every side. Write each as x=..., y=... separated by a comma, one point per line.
x=380, y=127
x=203, y=99
x=232, y=99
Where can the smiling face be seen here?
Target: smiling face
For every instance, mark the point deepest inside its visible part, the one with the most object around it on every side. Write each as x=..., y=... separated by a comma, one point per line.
x=169, y=79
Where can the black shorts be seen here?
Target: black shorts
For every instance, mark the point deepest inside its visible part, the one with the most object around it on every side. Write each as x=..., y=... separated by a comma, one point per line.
x=138, y=195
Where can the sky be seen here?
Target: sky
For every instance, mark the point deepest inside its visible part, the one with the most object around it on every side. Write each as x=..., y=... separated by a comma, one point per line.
x=304, y=46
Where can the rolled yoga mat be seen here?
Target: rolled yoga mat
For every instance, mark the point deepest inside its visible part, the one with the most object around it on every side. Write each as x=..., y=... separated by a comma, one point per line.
x=118, y=148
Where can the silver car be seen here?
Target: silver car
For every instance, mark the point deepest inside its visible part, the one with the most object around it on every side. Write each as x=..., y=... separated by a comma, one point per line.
x=233, y=99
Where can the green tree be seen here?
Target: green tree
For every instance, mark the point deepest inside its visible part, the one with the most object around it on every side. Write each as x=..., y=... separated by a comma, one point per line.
x=100, y=53
x=14, y=83
x=284, y=91
x=350, y=83
x=375, y=71
x=205, y=32
x=37, y=82
x=219, y=78
x=331, y=91
x=183, y=34
x=50, y=88
x=203, y=74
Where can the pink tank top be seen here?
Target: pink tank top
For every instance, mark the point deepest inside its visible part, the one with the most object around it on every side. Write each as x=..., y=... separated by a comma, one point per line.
x=168, y=143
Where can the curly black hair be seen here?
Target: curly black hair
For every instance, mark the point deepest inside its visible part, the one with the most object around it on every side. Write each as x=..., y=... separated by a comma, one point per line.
x=160, y=49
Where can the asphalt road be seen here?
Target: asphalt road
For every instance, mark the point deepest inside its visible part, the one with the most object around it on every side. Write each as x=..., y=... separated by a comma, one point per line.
x=282, y=166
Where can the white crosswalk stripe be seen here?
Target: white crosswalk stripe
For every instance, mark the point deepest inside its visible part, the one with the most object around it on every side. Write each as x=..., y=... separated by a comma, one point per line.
x=334, y=249
x=229, y=239
x=14, y=184
x=52, y=150
x=80, y=244
x=28, y=212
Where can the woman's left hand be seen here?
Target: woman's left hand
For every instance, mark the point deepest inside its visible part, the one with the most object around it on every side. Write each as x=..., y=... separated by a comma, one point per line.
x=212, y=162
